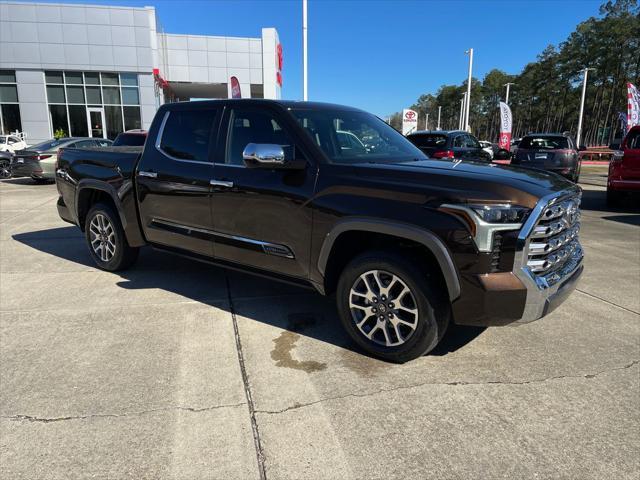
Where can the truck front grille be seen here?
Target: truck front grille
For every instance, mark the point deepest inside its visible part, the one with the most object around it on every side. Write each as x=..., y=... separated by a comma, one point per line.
x=553, y=248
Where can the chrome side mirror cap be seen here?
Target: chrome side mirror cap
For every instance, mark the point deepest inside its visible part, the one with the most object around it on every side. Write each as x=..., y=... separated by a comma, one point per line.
x=263, y=155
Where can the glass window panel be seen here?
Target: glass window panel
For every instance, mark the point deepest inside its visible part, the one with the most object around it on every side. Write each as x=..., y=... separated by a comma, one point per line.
x=8, y=93
x=92, y=78
x=130, y=96
x=94, y=95
x=78, y=121
x=8, y=76
x=129, y=79
x=59, y=119
x=187, y=133
x=109, y=78
x=73, y=78
x=53, y=77
x=11, y=118
x=132, y=120
x=75, y=94
x=55, y=94
x=113, y=119
x=111, y=95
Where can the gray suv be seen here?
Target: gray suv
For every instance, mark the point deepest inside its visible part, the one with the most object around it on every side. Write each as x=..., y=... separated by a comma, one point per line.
x=554, y=152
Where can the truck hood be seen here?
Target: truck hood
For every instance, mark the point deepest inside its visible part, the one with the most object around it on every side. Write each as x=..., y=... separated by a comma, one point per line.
x=469, y=182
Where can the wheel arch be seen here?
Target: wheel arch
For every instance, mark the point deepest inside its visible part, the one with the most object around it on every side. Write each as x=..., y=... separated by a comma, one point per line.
x=420, y=236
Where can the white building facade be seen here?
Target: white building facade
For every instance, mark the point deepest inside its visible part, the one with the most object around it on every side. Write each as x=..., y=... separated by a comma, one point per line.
x=93, y=70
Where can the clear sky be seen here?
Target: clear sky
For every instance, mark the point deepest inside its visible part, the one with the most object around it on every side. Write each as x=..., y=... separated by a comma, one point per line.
x=380, y=55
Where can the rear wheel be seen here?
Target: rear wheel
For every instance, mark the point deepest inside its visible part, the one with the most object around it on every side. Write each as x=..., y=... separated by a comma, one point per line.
x=105, y=237
x=390, y=307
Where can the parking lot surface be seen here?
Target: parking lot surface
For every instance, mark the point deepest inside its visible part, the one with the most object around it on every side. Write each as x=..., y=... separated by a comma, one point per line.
x=176, y=369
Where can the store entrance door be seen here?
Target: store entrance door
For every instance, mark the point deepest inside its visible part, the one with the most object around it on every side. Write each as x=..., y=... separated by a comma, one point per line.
x=95, y=118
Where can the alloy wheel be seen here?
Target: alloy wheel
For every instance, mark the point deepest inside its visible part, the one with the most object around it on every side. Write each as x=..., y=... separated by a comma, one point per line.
x=383, y=308
x=103, y=238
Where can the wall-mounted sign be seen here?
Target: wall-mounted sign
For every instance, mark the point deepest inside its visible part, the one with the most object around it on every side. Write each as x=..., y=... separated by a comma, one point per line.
x=279, y=60
x=235, y=88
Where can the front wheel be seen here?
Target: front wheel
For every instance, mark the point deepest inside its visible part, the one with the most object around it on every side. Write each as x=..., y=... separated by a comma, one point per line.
x=105, y=237
x=390, y=307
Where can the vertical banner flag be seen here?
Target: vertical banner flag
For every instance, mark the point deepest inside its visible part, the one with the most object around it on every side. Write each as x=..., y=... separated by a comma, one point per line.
x=505, y=126
x=235, y=88
x=633, y=106
x=409, y=121
x=623, y=122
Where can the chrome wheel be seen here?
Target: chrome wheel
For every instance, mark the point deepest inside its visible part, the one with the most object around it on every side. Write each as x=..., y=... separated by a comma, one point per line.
x=102, y=237
x=383, y=308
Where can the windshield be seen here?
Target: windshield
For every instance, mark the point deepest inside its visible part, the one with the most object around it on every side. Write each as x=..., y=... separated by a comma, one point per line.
x=3, y=139
x=129, y=140
x=548, y=143
x=428, y=140
x=48, y=145
x=356, y=137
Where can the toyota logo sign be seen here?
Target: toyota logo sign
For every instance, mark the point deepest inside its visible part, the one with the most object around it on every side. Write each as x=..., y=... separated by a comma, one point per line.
x=410, y=115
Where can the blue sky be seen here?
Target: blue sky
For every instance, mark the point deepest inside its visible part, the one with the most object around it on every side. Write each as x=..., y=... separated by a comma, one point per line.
x=380, y=55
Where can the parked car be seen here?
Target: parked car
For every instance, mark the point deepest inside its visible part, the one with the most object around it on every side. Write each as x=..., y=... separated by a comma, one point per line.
x=487, y=147
x=406, y=243
x=11, y=143
x=554, y=152
x=130, y=138
x=38, y=161
x=624, y=168
x=443, y=144
x=5, y=164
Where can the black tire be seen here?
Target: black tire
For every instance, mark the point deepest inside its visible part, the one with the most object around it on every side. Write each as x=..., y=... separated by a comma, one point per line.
x=614, y=199
x=433, y=308
x=123, y=255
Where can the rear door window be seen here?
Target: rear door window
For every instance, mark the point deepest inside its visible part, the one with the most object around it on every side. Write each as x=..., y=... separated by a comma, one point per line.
x=187, y=134
x=429, y=141
x=544, y=142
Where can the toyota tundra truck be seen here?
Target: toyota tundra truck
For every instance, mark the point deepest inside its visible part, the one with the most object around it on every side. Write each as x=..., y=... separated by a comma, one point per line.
x=407, y=244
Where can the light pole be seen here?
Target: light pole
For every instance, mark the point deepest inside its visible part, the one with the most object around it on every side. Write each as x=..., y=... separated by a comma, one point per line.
x=468, y=101
x=439, y=110
x=584, y=92
x=506, y=98
x=426, y=124
x=464, y=96
x=305, y=94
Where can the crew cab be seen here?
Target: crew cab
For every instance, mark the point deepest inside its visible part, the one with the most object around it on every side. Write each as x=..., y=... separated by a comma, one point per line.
x=406, y=244
x=624, y=168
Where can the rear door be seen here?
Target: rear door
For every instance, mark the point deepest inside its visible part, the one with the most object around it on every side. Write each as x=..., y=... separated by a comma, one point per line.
x=630, y=169
x=262, y=217
x=173, y=178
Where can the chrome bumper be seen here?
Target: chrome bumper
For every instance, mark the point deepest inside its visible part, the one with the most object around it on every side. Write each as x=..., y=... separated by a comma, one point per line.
x=546, y=292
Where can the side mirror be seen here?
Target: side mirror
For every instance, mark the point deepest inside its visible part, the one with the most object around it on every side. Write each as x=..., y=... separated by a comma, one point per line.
x=270, y=156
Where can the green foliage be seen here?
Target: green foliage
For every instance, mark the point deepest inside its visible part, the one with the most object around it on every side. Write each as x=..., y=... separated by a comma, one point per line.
x=546, y=94
x=59, y=133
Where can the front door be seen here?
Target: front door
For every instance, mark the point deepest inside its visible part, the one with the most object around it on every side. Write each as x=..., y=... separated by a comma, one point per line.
x=262, y=217
x=173, y=178
x=95, y=118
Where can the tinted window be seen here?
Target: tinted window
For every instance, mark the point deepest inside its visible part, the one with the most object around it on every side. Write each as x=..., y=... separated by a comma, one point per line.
x=48, y=145
x=459, y=142
x=83, y=144
x=130, y=140
x=471, y=142
x=429, y=140
x=634, y=141
x=381, y=143
x=546, y=142
x=254, y=126
x=187, y=133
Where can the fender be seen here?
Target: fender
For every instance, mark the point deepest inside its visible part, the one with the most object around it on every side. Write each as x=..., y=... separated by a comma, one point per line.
x=396, y=229
x=130, y=227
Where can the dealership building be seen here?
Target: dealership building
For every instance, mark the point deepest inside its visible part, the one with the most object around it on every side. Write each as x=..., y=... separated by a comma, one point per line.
x=93, y=70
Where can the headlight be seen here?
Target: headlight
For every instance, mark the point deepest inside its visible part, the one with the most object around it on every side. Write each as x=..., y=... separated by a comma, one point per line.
x=500, y=213
x=485, y=220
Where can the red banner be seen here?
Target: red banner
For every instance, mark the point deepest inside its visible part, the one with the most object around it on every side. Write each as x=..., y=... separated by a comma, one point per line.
x=235, y=88
x=505, y=126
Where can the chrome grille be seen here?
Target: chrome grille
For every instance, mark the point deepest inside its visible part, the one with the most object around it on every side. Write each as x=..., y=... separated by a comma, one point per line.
x=553, y=248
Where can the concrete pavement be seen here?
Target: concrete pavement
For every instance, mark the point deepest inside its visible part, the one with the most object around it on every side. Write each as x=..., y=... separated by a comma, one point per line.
x=175, y=369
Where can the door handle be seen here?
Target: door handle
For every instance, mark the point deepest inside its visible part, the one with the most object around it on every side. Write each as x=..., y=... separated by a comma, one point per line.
x=221, y=183
x=147, y=174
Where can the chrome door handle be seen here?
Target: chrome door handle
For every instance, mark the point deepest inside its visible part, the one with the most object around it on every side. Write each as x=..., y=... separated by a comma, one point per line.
x=147, y=174
x=221, y=183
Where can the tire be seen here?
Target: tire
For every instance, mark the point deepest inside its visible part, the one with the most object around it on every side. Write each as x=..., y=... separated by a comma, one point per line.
x=40, y=181
x=396, y=342
x=106, y=240
x=614, y=199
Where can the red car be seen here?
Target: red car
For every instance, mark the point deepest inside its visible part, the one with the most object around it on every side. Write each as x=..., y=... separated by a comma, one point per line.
x=624, y=169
